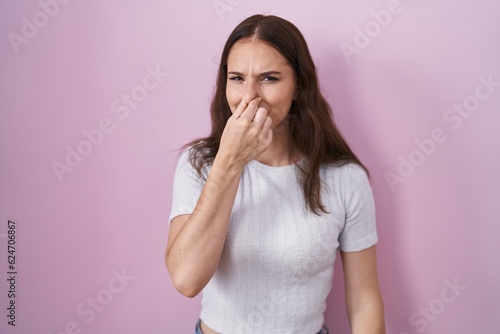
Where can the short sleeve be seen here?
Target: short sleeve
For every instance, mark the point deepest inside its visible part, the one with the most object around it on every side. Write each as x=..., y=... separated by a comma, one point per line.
x=359, y=231
x=187, y=187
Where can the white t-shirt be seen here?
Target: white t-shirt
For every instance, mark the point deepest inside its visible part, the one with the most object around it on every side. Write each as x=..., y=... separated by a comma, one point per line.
x=276, y=268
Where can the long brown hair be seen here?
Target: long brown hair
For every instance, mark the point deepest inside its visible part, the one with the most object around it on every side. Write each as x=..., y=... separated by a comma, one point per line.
x=312, y=129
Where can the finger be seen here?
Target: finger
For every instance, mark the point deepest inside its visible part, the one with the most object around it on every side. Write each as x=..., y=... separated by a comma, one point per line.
x=267, y=124
x=240, y=108
x=269, y=137
x=260, y=117
x=251, y=109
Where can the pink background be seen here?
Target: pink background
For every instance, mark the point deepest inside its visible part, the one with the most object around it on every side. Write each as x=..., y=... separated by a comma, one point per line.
x=109, y=214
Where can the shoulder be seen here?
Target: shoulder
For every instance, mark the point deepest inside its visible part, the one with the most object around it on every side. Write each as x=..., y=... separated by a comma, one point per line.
x=183, y=158
x=346, y=171
x=191, y=161
x=188, y=155
x=349, y=179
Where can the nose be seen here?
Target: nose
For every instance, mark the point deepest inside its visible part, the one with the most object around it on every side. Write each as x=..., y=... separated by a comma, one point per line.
x=251, y=91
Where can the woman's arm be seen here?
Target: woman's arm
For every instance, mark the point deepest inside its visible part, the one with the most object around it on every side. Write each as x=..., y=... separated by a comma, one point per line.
x=195, y=241
x=364, y=303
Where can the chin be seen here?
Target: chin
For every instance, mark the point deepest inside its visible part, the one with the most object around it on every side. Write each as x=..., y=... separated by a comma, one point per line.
x=279, y=127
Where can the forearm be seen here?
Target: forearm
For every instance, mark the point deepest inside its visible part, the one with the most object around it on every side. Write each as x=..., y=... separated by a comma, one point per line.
x=366, y=315
x=194, y=254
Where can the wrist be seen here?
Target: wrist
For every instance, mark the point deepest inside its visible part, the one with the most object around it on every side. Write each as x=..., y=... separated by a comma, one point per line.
x=227, y=164
x=224, y=173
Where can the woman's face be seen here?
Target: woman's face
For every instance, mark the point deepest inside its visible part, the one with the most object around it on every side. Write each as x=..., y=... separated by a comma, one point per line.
x=255, y=69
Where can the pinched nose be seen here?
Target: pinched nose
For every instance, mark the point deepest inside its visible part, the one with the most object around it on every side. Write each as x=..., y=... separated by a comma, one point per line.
x=251, y=91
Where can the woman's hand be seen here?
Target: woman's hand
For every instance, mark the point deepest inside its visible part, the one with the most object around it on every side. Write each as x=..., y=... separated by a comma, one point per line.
x=247, y=133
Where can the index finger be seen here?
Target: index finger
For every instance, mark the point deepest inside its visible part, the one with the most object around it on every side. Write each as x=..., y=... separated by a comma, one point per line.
x=240, y=108
x=251, y=108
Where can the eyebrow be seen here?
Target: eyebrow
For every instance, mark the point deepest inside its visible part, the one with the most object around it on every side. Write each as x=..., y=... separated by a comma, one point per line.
x=261, y=74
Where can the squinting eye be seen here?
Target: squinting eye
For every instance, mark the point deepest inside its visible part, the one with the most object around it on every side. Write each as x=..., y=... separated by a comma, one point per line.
x=270, y=78
x=236, y=78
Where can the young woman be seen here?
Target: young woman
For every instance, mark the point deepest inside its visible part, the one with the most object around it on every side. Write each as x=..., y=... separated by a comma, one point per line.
x=261, y=206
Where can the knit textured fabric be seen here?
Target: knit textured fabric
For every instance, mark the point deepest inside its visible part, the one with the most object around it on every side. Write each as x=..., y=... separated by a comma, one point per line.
x=277, y=265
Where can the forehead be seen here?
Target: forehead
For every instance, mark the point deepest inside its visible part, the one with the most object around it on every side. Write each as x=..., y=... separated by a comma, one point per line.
x=255, y=53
